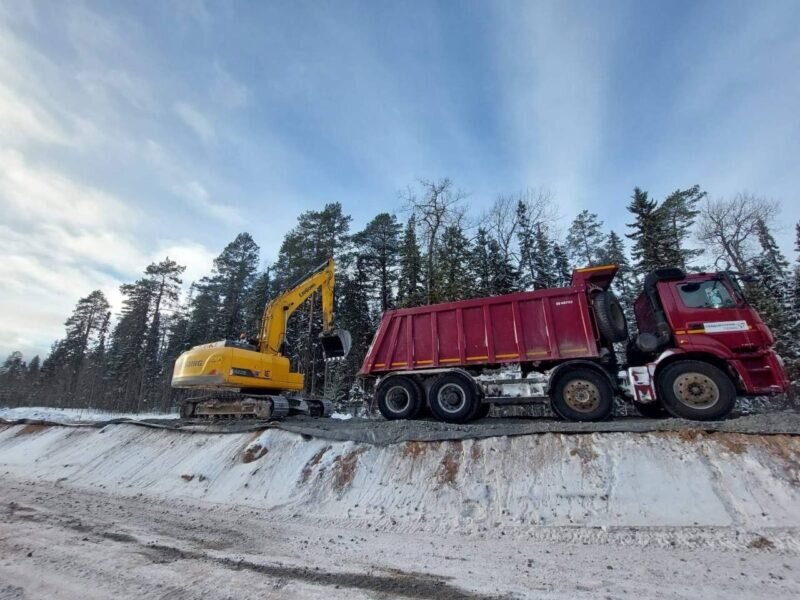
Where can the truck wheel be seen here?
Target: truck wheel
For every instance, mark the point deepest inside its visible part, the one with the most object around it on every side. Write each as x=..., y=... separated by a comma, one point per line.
x=692, y=389
x=398, y=398
x=610, y=317
x=453, y=400
x=582, y=395
x=651, y=410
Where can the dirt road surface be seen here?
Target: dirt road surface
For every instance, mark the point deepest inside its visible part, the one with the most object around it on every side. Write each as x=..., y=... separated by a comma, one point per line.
x=58, y=541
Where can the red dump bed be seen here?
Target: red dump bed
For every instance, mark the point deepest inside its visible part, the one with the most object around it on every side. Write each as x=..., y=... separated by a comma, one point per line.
x=545, y=325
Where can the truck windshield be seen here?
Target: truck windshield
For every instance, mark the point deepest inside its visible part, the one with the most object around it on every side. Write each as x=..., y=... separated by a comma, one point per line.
x=706, y=294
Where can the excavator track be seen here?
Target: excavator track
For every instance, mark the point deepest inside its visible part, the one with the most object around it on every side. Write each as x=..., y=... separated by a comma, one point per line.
x=236, y=405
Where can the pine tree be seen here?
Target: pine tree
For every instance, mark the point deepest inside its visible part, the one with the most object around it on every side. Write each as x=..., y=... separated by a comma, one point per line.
x=202, y=309
x=563, y=272
x=379, y=246
x=409, y=289
x=34, y=369
x=648, y=233
x=544, y=264
x=585, y=239
x=797, y=273
x=505, y=278
x=772, y=295
x=624, y=284
x=526, y=241
x=127, y=353
x=481, y=265
x=258, y=297
x=83, y=327
x=166, y=280
x=233, y=273
x=452, y=263
x=355, y=316
x=678, y=213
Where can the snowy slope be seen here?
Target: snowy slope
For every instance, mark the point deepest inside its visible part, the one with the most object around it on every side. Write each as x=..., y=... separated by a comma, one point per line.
x=598, y=480
x=48, y=413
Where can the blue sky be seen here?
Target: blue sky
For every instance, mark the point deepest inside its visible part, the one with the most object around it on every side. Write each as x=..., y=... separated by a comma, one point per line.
x=131, y=130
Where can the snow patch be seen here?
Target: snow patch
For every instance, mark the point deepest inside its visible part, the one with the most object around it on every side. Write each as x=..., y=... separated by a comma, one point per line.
x=74, y=415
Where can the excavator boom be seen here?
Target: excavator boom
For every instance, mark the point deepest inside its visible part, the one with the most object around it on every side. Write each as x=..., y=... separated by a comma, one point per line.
x=335, y=342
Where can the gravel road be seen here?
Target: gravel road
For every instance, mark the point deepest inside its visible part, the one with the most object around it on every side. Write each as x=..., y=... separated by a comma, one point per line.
x=67, y=542
x=380, y=432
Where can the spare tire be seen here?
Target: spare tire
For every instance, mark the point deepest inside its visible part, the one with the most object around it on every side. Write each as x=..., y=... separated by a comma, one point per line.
x=610, y=317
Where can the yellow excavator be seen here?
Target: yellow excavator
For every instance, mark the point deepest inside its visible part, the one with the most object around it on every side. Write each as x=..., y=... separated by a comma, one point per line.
x=242, y=378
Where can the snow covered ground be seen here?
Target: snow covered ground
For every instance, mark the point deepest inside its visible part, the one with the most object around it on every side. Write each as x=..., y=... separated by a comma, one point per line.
x=552, y=515
x=48, y=413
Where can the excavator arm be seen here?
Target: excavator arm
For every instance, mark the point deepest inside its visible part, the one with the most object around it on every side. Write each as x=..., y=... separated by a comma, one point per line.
x=335, y=343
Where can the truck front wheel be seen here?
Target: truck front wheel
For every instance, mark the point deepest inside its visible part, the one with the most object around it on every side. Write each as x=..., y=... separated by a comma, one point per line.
x=692, y=389
x=582, y=395
x=398, y=398
x=453, y=400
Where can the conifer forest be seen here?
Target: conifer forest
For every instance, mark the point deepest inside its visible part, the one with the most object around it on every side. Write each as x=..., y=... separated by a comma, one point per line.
x=433, y=249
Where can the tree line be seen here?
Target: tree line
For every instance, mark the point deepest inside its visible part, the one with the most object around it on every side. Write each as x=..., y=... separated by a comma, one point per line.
x=436, y=251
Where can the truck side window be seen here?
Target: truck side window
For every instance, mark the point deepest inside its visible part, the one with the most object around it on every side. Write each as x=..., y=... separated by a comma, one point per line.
x=706, y=294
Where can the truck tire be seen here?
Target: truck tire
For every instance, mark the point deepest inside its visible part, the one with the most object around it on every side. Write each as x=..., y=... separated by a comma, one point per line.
x=651, y=410
x=610, y=317
x=697, y=390
x=582, y=394
x=398, y=398
x=453, y=399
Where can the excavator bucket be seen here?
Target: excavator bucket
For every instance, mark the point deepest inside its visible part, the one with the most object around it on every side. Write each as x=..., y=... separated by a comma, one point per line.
x=336, y=343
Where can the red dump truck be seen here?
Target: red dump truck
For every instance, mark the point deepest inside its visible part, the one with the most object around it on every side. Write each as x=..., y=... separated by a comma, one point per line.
x=698, y=345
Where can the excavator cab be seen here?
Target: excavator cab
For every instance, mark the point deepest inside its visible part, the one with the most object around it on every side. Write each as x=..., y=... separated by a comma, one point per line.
x=336, y=343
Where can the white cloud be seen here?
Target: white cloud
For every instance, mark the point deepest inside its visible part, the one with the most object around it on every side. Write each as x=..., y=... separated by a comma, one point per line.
x=37, y=195
x=196, y=121
x=228, y=91
x=61, y=239
x=195, y=257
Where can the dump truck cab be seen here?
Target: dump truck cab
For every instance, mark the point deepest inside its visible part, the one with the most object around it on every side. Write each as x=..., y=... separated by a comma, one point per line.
x=701, y=318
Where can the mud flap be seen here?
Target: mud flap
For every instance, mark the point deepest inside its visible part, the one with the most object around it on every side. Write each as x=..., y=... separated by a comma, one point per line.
x=336, y=343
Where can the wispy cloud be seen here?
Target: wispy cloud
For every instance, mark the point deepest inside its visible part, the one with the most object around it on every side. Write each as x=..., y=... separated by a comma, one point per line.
x=228, y=91
x=553, y=64
x=195, y=120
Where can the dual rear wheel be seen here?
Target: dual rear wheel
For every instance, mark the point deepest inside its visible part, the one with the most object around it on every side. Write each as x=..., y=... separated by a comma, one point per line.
x=452, y=398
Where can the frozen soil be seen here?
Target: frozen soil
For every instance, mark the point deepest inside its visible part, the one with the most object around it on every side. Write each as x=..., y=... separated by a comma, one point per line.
x=125, y=511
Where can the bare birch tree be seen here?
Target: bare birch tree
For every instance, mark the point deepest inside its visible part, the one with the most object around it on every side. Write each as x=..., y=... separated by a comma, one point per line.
x=729, y=227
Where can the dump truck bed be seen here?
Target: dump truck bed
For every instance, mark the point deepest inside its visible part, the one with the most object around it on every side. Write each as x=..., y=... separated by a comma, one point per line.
x=546, y=325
